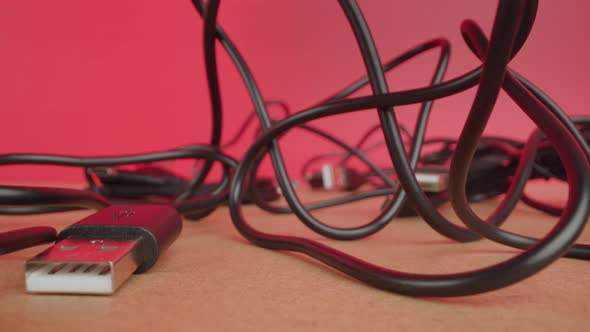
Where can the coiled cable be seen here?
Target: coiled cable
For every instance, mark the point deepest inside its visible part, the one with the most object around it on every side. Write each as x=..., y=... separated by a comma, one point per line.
x=512, y=25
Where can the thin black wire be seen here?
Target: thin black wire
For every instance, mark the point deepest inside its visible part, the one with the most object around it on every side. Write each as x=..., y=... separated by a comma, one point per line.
x=216, y=111
x=331, y=202
x=346, y=156
x=250, y=118
x=40, y=200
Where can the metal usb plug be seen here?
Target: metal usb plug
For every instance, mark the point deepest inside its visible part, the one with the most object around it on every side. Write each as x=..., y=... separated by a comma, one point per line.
x=99, y=253
x=82, y=266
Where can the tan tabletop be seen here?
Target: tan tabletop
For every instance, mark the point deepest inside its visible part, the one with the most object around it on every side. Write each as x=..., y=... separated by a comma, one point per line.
x=212, y=279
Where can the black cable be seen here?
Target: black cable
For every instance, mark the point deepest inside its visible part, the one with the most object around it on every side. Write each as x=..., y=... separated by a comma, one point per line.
x=38, y=196
x=25, y=210
x=508, y=28
x=215, y=97
x=568, y=142
x=53, y=200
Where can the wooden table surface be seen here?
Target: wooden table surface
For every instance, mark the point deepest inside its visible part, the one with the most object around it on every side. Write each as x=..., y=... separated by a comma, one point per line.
x=211, y=279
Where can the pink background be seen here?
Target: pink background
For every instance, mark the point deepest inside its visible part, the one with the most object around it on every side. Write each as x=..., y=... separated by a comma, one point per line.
x=117, y=77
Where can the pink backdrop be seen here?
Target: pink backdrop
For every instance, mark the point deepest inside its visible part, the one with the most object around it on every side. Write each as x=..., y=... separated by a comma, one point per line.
x=116, y=77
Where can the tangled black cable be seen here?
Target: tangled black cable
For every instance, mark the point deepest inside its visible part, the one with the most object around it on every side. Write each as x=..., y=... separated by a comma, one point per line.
x=513, y=22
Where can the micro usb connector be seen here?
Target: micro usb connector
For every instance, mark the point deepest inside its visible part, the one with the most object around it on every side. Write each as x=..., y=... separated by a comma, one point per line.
x=97, y=254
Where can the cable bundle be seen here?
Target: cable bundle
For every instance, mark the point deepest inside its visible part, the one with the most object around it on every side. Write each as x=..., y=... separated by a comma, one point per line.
x=513, y=22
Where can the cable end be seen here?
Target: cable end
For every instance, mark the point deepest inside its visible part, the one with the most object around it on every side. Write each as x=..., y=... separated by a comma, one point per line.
x=432, y=180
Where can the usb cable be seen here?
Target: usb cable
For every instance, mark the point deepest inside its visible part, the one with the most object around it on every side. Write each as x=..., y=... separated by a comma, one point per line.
x=98, y=254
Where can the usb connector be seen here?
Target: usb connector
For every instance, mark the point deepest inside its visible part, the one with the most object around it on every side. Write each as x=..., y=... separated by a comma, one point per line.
x=82, y=266
x=432, y=180
x=97, y=254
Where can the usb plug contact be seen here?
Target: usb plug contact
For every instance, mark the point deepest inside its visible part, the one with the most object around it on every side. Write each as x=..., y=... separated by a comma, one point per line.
x=97, y=254
x=82, y=266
